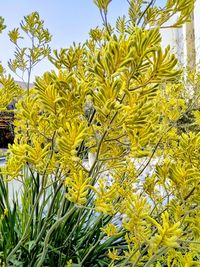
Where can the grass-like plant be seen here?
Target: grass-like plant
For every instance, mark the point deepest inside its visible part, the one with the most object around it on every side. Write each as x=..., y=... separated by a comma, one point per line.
x=107, y=178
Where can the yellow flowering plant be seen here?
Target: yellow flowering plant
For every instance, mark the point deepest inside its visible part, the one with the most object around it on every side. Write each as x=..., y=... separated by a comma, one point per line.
x=108, y=177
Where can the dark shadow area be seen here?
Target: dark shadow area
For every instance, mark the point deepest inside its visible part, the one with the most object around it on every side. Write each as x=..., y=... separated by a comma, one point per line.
x=6, y=126
x=6, y=137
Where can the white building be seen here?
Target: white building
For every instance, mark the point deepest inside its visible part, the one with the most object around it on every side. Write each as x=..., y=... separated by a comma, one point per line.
x=176, y=37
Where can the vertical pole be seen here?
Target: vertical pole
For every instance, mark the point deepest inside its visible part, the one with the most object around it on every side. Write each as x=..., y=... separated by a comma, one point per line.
x=190, y=44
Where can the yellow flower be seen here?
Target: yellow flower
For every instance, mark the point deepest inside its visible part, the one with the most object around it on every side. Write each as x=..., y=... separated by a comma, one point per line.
x=113, y=255
x=77, y=187
x=5, y=212
x=110, y=230
x=168, y=233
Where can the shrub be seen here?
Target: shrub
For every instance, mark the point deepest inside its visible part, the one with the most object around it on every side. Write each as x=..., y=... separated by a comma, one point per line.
x=107, y=179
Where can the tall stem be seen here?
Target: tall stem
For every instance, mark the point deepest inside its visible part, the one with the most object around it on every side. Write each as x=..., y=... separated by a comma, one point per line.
x=155, y=256
x=53, y=227
x=26, y=229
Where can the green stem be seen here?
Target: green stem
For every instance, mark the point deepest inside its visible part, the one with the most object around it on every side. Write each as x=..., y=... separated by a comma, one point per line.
x=33, y=209
x=48, y=214
x=26, y=229
x=90, y=250
x=53, y=227
x=155, y=256
x=140, y=256
x=103, y=136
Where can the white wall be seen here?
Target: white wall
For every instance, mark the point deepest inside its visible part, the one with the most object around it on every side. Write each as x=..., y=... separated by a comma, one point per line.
x=176, y=37
x=197, y=29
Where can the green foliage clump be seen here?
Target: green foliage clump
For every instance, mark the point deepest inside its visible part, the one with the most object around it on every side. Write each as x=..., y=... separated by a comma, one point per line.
x=107, y=176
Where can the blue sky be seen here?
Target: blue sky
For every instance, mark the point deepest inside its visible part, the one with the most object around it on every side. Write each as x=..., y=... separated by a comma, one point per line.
x=67, y=21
